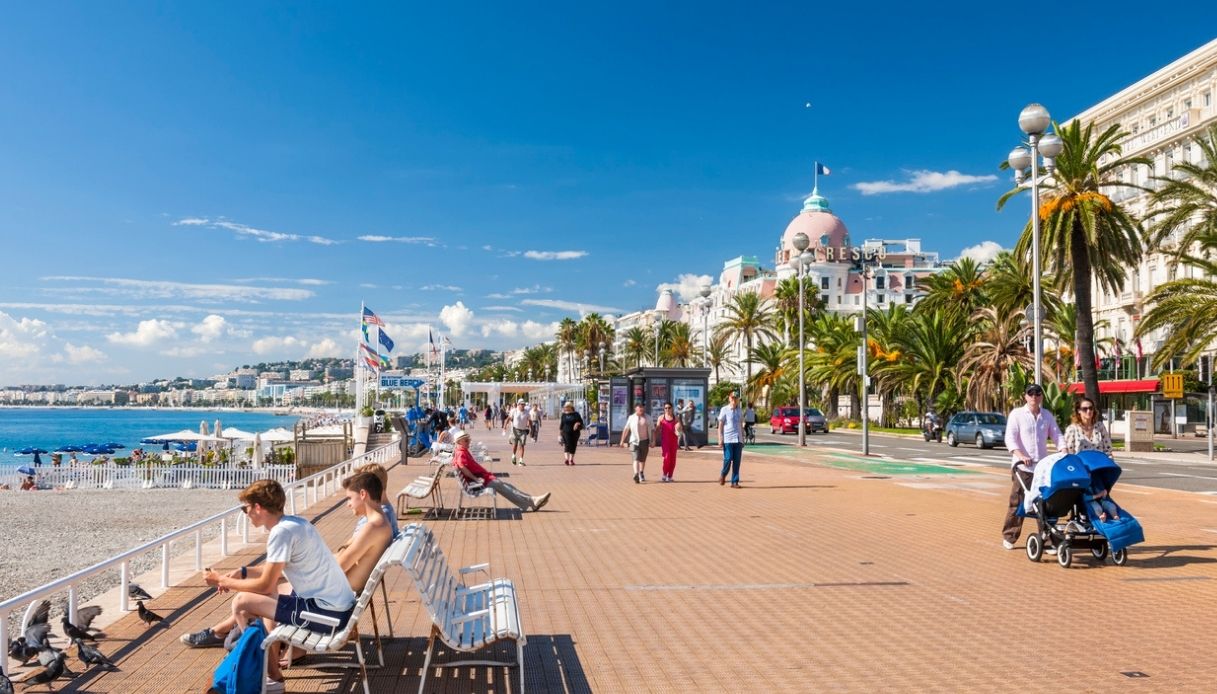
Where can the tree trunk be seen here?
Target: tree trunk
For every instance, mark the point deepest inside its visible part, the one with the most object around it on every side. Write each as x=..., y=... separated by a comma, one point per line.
x=1082, y=298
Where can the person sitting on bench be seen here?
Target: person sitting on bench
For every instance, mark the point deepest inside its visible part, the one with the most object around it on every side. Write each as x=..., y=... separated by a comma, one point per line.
x=469, y=468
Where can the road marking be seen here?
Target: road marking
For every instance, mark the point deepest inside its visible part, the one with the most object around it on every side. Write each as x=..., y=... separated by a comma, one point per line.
x=1180, y=474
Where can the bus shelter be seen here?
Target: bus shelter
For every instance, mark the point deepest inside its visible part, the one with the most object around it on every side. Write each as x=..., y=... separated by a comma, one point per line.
x=653, y=387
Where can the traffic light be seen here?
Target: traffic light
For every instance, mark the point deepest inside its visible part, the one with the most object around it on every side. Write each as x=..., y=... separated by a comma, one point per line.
x=1204, y=369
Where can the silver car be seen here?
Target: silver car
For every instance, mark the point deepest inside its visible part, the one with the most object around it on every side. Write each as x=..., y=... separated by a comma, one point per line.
x=985, y=429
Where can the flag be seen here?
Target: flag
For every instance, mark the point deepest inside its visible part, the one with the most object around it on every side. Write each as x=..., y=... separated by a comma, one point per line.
x=370, y=318
x=1140, y=354
x=431, y=339
x=372, y=363
x=822, y=170
x=1119, y=349
x=385, y=341
x=447, y=342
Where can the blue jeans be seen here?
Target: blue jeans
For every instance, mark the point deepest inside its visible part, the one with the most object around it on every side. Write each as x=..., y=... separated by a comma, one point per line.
x=732, y=454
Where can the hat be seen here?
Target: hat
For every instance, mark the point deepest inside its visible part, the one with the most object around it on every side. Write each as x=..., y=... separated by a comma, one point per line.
x=521, y=402
x=458, y=434
x=1033, y=389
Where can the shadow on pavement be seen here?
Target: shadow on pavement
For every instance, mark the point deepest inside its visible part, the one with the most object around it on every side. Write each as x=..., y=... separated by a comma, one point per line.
x=1166, y=556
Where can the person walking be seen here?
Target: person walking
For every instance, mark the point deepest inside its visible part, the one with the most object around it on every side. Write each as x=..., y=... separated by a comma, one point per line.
x=668, y=431
x=638, y=432
x=519, y=432
x=730, y=439
x=750, y=423
x=534, y=422
x=1028, y=429
x=489, y=415
x=687, y=413
x=1086, y=431
x=570, y=426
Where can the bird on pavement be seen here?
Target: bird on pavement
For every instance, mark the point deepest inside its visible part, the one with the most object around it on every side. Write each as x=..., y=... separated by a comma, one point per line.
x=82, y=629
x=53, y=668
x=148, y=616
x=6, y=685
x=36, y=636
x=137, y=593
x=91, y=656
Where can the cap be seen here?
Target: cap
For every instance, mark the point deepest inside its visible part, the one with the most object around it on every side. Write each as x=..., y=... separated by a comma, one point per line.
x=1033, y=389
x=521, y=402
x=458, y=434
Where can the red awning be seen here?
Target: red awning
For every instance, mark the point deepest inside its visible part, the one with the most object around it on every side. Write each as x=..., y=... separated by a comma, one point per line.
x=1111, y=387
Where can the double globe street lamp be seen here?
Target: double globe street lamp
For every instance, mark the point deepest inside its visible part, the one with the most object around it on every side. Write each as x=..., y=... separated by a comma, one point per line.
x=1034, y=121
x=800, y=263
x=705, y=334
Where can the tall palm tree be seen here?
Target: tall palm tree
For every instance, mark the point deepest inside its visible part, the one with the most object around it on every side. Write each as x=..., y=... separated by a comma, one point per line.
x=1085, y=234
x=773, y=359
x=987, y=361
x=680, y=350
x=960, y=287
x=786, y=307
x=885, y=331
x=933, y=343
x=638, y=344
x=1008, y=285
x=718, y=355
x=831, y=364
x=1184, y=209
x=1185, y=308
x=568, y=338
x=747, y=318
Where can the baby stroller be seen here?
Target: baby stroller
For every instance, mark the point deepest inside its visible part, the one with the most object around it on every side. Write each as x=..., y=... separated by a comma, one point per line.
x=1121, y=533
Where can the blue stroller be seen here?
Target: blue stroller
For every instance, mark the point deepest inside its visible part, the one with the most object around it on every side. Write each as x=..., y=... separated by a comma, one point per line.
x=1058, y=499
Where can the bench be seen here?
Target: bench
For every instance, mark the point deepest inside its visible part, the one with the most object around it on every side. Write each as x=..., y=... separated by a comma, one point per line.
x=473, y=489
x=465, y=618
x=320, y=640
x=423, y=487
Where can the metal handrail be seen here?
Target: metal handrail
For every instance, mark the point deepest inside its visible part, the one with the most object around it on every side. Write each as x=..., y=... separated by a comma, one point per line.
x=318, y=482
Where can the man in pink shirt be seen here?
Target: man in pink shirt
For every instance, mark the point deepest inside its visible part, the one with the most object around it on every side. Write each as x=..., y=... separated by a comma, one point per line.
x=1027, y=432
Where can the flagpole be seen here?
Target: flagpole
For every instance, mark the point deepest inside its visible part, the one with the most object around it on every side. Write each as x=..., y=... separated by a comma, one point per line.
x=815, y=176
x=441, y=372
x=360, y=385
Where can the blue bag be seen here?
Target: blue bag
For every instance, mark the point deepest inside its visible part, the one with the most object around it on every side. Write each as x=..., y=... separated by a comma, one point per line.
x=241, y=670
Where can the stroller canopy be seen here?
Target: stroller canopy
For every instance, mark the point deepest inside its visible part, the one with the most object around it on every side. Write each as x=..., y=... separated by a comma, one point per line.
x=1103, y=470
x=1056, y=473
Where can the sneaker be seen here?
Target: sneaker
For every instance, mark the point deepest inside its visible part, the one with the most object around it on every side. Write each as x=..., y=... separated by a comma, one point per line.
x=202, y=639
x=642, y=477
x=273, y=686
x=1006, y=544
x=521, y=463
x=540, y=501
x=513, y=458
x=635, y=478
x=1050, y=551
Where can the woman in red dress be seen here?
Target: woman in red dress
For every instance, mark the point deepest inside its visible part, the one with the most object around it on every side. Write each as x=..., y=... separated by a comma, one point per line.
x=668, y=429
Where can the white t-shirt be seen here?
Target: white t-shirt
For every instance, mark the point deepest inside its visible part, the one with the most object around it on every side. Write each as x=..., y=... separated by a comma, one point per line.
x=639, y=428
x=308, y=563
x=519, y=419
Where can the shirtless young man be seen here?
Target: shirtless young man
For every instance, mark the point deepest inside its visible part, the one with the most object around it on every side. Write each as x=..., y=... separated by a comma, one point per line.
x=356, y=559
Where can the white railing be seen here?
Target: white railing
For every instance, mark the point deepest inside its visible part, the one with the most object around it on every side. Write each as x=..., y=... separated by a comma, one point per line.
x=155, y=476
x=321, y=485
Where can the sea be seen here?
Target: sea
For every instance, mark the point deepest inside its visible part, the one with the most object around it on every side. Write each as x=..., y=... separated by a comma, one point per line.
x=50, y=428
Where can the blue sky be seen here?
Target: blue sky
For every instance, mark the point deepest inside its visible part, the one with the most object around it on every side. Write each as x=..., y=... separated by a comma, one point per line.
x=188, y=188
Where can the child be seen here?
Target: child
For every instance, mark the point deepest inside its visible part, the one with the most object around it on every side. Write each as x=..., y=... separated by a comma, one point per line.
x=1100, y=504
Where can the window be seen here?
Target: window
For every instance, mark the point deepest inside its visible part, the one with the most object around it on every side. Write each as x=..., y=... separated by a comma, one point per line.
x=908, y=298
x=1170, y=113
x=1187, y=104
x=880, y=299
x=857, y=300
x=824, y=299
x=1153, y=120
x=1208, y=98
x=823, y=283
x=879, y=282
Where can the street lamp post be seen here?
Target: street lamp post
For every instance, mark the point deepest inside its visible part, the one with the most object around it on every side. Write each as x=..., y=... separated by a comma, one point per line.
x=601, y=354
x=1034, y=121
x=705, y=330
x=658, y=325
x=801, y=242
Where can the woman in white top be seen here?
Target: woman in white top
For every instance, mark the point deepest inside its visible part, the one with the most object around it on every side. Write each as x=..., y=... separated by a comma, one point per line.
x=1086, y=432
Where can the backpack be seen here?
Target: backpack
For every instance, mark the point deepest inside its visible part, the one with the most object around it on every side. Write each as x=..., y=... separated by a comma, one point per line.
x=241, y=670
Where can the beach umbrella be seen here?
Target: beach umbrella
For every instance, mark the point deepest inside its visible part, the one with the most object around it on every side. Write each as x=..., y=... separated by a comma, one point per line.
x=114, y=445
x=25, y=470
x=180, y=436
x=31, y=451
x=217, y=430
x=278, y=435
x=235, y=434
x=257, y=461
x=203, y=428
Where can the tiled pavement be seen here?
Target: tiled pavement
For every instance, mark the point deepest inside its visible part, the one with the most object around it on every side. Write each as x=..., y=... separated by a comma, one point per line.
x=810, y=579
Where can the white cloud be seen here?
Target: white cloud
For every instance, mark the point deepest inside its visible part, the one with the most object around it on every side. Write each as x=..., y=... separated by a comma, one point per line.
x=628, y=283
x=20, y=338
x=687, y=286
x=261, y=235
x=213, y=326
x=83, y=354
x=326, y=348
x=457, y=318
x=536, y=331
x=503, y=308
x=554, y=255
x=161, y=289
x=148, y=333
x=575, y=306
x=439, y=288
x=308, y=281
x=422, y=240
x=983, y=252
x=534, y=289
x=276, y=345
x=923, y=181
x=504, y=327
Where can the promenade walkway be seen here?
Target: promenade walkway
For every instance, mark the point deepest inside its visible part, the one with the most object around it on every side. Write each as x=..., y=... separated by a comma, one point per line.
x=825, y=573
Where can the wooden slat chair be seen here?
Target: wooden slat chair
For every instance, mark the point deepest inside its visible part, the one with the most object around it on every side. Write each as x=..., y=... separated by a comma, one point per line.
x=320, y=640
x=465, y=618
x=423, y=486
x=474, y=489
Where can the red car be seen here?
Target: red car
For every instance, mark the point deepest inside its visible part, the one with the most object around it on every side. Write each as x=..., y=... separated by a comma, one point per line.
x=785, y=420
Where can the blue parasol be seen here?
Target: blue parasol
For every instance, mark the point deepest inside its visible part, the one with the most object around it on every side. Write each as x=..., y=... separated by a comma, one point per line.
x=25, y=470
x=31, y=451
x=70, y=449
x=114, y=445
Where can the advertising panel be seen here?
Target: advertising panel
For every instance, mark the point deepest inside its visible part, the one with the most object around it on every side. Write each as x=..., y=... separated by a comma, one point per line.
x=620, y=405
x=695, y=391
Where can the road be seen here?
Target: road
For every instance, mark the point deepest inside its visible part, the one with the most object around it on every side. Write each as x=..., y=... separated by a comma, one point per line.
x=1199, y=476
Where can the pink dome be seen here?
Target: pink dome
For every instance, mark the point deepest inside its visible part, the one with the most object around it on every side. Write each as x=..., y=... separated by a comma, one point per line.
x=817, y=221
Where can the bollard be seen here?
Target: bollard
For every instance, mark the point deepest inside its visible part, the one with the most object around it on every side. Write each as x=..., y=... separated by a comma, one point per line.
x=165, y=565
x=124, y=584
x=71, y=604
x=198, y=550
x=224, y=536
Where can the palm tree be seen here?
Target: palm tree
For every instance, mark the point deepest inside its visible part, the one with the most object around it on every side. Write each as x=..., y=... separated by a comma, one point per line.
x=680, y=350
x=786, y=306
x=568, y=338
x=959, y=288
x=774, y=362
x=1184, y=209
x=747, y=317
x=1008, y=285
x=933, y=343
x=1185, y=308
x=638, y=343
x=1085, y=233
x=999, y=345
x=831, y=364
x=718, y=355
x=885, y=330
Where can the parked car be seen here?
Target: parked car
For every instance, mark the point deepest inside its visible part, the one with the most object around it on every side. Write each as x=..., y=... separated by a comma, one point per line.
x=785, y=420
x=985, y=429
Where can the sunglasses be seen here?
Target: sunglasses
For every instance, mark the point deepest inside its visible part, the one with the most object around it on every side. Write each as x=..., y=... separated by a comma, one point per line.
x=1085, y=409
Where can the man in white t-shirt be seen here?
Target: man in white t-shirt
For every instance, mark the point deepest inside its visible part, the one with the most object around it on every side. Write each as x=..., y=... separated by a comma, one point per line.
x=521, y=424
x=637, y=434
x=295, y=550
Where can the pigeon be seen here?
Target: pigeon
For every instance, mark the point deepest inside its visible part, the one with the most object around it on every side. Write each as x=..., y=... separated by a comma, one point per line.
x=137, y=593
x=54, y=668
x=148, y=616
x=92, y=656
x=36, y=637
x=82, y=630
x=6, y=685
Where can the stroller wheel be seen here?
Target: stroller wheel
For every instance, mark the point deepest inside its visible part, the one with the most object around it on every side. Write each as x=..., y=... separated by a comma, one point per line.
x=1120, y=557
x=1035, y=547
x=1099, y=553
x=1064, y=555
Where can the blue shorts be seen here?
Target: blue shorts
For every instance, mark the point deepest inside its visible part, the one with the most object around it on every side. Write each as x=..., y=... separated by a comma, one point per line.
x=288, y=610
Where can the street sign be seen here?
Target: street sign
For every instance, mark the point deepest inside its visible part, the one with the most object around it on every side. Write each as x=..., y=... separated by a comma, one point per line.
x=1172, y=386
x=399, y=382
